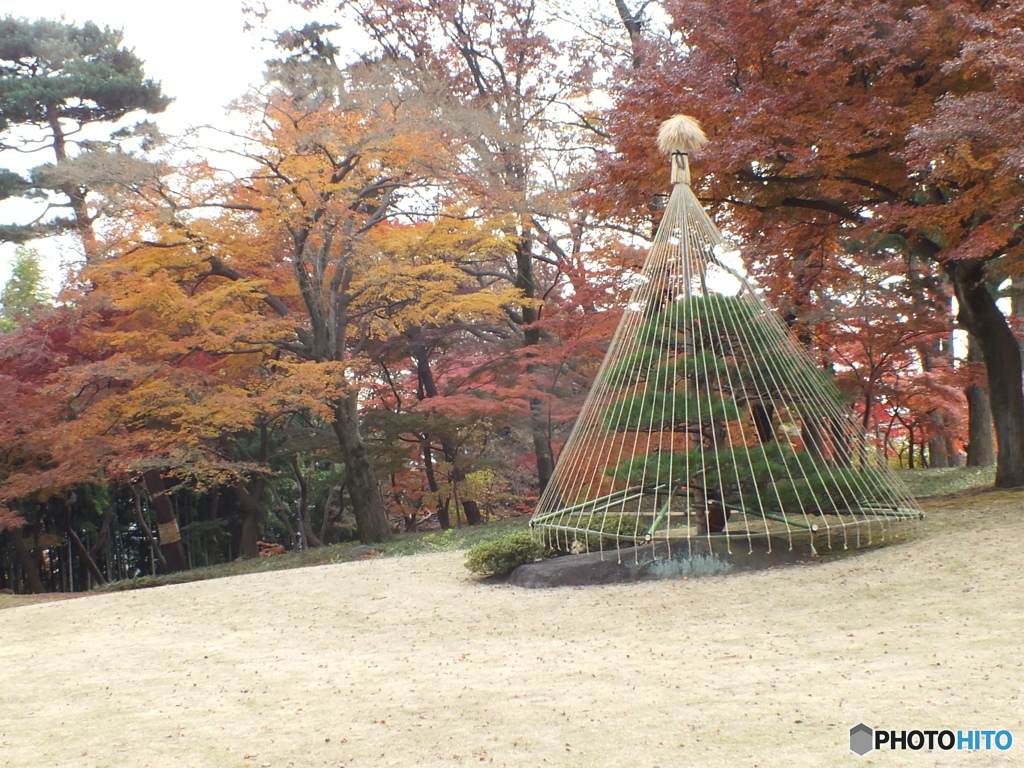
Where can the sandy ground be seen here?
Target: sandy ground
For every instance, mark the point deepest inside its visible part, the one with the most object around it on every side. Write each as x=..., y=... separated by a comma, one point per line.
x=411, y=662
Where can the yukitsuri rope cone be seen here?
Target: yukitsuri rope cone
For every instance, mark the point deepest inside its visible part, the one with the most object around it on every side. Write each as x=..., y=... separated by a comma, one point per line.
x=709, y=427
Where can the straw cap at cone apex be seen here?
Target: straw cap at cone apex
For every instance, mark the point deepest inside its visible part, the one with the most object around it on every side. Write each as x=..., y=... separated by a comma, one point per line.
x=681, y=133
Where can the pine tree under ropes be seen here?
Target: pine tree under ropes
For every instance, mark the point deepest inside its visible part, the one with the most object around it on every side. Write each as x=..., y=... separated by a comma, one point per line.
x=708, y=420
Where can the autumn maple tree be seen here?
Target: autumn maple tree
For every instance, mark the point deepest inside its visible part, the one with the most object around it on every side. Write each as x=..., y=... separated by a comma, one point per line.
x=521, y=96
x=885, y=128
x=429, y=347
x=299, y=248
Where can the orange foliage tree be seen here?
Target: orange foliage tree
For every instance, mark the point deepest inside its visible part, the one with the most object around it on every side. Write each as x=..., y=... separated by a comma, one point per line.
x=524, y=94
x=271, y=306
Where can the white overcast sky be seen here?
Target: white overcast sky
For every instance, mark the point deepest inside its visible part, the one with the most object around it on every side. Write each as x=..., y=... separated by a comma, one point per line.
x=197, y=49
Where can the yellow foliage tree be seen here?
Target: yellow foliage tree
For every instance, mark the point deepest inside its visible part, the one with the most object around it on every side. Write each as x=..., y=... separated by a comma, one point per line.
x=221, y=324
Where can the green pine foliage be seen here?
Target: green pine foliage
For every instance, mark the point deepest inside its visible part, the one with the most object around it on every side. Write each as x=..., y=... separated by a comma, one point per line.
x=82, y=72
x=722, y=324
x=709, y=316
x=770, y=478
x=703, y=364
x=57, y=79
x=726, y=343
x=657, y=410
x=648, y=366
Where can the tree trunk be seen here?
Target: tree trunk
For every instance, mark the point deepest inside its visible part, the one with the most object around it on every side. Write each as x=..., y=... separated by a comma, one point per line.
x=524, y=281
x=28, y=566
x=980, y=315
x=762, y=413
x=305, y=524
x=76, y=194
x=83, y=553
x=103, y=536
x=372, y=524
x=813, y=437
x=428, y=389
x=469, y=506
x=335, y=500
x=542, y=449
x=939, y=447
x=428, y=467
x=154, y=544
x=939, y=455
x=842, y=451
x=166, y=523
x=634, y=24
x=250, y=503
x=1017, y=306
x=981, y=448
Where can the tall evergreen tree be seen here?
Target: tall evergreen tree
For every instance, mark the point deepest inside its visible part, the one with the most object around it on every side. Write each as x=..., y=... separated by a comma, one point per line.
x=24, y=290
x=55, y=80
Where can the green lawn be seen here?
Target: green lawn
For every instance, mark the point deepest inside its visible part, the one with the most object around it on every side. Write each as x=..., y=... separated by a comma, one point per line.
x=924, y=483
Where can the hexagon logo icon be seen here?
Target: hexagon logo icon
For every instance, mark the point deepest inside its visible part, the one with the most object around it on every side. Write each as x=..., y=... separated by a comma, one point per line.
x=862, y=739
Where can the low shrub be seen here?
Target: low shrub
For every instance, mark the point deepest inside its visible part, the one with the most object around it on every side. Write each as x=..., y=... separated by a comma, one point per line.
x=501, y=556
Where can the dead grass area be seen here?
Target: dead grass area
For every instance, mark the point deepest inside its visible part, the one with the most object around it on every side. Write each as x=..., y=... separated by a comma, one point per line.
x=15, y=601
x=412, y=662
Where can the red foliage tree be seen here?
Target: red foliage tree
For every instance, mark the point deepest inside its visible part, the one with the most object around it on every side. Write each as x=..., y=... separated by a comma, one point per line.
x=883, y=127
